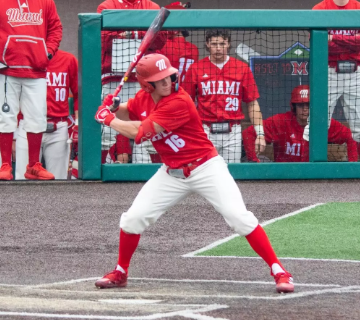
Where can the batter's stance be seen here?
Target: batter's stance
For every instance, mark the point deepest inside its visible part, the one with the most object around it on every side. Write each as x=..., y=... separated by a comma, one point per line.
x=191, y=164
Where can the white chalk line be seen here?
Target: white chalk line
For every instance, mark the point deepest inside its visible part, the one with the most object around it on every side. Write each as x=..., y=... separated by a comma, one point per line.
x=190, y=314
x=221, y=241
x=220, y=281
x=280, y=258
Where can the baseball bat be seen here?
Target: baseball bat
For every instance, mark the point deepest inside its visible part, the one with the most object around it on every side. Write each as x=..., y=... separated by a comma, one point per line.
x=148, y=39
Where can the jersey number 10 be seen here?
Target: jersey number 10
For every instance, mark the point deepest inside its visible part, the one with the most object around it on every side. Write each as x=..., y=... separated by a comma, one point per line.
x=60, y=94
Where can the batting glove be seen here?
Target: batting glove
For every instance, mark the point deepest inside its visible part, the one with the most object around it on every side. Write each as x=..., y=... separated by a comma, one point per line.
x=112, y=102
x=104, y=115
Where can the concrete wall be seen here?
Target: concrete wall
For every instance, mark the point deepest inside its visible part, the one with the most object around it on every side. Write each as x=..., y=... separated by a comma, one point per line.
x=69, y=9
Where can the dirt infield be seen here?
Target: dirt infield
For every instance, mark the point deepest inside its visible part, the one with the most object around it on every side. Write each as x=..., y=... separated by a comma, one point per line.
x=57, y=238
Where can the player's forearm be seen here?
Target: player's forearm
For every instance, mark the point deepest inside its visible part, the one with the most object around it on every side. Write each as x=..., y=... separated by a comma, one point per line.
x=350, y=42
x=123, y=112
x=255, y=113
x=126, y=128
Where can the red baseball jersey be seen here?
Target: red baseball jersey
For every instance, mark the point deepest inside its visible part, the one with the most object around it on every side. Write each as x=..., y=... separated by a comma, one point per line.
x=62, y=76
x=345, y=44
x=219, y=91
x=181, y=53
x=286, y=134
x=29, y=31
x=184, y=139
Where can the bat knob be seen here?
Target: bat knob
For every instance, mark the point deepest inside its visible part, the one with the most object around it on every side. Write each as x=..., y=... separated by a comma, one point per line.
x=5, y=107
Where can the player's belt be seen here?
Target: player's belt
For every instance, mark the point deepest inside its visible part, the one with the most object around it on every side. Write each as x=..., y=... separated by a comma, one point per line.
x=51, y=123
x=57, y=119
x=221, y=127
x=185, y=171
x=345, y=66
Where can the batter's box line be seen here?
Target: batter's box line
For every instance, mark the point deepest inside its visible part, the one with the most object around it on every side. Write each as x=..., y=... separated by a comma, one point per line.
x=193, y=254
x=220, y=281
x=188, y=314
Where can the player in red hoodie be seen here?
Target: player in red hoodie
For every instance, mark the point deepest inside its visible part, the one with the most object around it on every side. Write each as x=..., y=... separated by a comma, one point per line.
x=285, y=131
x=344, y=71
x=30, y=34
x=191, y=164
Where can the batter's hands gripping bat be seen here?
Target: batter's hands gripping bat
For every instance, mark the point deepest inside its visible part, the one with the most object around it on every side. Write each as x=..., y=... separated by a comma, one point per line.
x=148, y=39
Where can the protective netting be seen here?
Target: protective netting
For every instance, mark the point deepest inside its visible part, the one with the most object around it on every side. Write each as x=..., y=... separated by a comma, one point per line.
x=264, y=75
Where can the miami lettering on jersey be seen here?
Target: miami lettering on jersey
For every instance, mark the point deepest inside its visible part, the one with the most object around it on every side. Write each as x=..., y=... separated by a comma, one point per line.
x=345, y=32
x=22, y=16
x=293, y=149
x=54, y=79
x=220, y=87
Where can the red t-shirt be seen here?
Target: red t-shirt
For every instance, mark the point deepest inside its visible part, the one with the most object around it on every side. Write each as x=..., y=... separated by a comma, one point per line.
x=184, y=139
x=61, y=76
x=219, y=91
x=286, y=134
x=345, y=44
x=182, y=54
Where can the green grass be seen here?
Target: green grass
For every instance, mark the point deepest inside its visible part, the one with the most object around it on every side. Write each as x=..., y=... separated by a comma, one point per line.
x=329, y=231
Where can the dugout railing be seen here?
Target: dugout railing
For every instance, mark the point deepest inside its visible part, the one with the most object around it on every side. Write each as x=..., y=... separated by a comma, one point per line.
x=316, y=22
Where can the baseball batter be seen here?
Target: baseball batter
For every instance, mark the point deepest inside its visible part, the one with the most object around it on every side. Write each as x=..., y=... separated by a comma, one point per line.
x=61, y=77
x=191, y=164
x=344, y=72
x=285, y=131
x=219, y=84
x=30, y=34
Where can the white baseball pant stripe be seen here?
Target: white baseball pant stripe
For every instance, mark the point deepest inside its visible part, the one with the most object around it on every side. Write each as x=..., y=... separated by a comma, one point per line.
x=212, y=180
x=228, y=145
x=346, y=85
x=54, y=149
x=27, y=95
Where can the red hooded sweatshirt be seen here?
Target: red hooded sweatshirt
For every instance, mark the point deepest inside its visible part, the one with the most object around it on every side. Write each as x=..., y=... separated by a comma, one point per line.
x=29, y=31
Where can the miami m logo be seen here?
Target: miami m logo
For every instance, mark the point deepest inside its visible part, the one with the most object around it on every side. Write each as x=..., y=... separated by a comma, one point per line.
x=161, y=64
x=304, y=93
x=299, y=68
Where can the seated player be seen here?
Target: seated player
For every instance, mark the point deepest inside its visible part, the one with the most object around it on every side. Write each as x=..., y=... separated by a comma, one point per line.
x=285, y=132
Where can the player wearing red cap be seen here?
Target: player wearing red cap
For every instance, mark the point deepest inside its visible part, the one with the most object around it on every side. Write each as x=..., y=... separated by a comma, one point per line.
x=344, y=72
x=191, y=164
x=219, y=84
x=285, y=132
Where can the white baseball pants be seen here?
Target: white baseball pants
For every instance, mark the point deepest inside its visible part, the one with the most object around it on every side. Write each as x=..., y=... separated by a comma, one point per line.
x=212, y=180
x=27, y=95
x=227, y=144
x=54, y=149
x=346, y=85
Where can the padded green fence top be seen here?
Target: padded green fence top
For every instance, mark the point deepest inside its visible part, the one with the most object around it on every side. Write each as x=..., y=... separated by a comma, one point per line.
x=248, y=19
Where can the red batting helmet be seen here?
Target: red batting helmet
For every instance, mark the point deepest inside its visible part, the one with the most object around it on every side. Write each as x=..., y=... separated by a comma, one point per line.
x=300, y=94
x=153, y=67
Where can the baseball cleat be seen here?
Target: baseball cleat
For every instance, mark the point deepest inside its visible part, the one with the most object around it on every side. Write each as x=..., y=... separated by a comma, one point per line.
x=5, y=172
x=284, y=282
x=113, y=279
x=37, y=172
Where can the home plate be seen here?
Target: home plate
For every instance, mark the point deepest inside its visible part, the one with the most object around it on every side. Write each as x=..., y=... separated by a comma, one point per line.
x=130, y=301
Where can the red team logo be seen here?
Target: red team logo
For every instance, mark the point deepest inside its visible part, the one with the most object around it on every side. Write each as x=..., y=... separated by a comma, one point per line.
x=299, y=68
x=23, y=16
